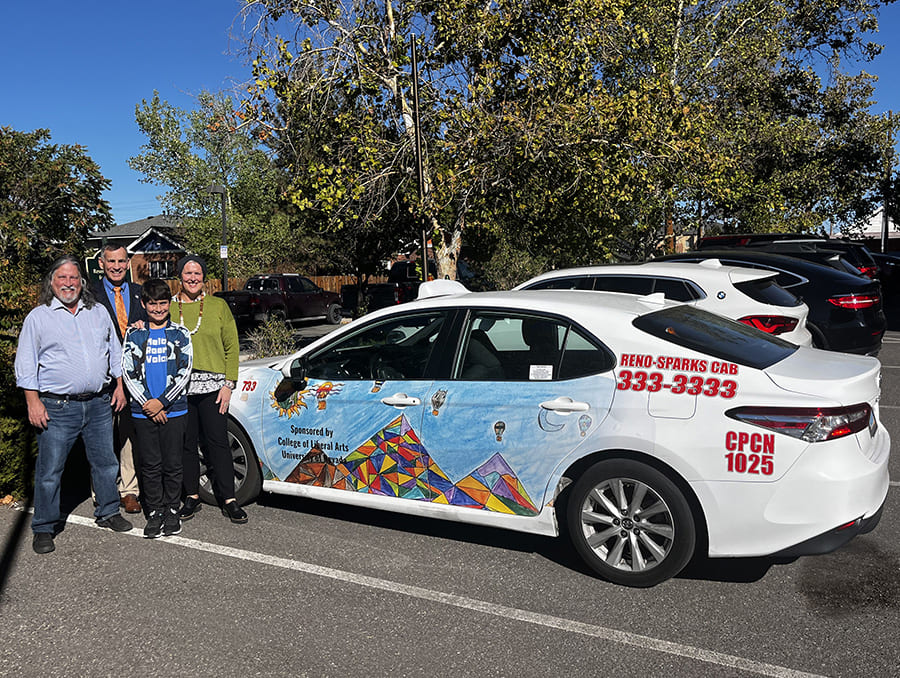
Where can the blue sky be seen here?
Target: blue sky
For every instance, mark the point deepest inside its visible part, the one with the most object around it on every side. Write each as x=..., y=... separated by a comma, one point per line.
x=80, y=68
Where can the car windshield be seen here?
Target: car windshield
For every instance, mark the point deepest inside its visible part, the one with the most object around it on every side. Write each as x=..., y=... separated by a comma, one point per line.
x=714, y=335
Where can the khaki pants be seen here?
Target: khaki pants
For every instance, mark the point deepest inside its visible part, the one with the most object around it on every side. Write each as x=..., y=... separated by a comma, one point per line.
x=123, y=443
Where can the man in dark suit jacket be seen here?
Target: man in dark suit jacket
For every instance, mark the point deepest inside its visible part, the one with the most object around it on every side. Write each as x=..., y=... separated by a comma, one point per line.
x=122, y=300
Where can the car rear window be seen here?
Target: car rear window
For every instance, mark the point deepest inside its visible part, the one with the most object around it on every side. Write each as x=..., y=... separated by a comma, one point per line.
x=628, y=284
x=767, y=291
x=714, y=335
x=568, y=283
x=678, y=290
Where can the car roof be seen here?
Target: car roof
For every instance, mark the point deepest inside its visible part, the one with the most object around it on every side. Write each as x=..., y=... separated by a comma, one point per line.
x=781, y=261
x=710, y=272
x=576, y=304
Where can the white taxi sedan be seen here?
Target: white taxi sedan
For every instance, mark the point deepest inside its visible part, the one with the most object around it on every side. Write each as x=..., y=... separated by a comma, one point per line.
x=648, y=427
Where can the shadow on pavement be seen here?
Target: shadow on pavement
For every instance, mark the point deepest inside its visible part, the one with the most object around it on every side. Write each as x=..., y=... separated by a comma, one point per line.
x=557, y=550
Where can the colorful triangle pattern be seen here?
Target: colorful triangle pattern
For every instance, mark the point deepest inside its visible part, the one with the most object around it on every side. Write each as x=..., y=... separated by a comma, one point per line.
x=394, y=463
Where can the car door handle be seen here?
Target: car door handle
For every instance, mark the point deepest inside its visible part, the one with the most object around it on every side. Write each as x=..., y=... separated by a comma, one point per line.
x=565, y=404
x=401, y=400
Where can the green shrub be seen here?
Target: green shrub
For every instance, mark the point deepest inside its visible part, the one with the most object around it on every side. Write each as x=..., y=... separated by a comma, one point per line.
x=273, y=337
x=18, y=446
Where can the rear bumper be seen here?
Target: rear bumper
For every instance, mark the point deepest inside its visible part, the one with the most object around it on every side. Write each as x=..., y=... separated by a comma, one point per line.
x=833, y=539
x=831, y=486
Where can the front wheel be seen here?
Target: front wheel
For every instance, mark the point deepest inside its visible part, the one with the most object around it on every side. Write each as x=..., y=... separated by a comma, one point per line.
x=630, y=523
x=247, y=476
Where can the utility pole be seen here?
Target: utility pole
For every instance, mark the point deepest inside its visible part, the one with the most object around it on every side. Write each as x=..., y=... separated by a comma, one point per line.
x=223, y=248
x=886, y=183
x=420, y=172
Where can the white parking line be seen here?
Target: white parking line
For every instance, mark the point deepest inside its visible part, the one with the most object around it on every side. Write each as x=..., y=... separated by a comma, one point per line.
x=475, y=605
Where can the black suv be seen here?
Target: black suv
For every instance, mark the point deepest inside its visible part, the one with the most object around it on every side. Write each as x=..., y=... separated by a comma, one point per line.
x=798, y=245
x=845, y=310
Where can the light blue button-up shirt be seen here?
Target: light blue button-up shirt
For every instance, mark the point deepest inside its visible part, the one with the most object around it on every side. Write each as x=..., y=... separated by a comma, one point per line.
x=67, y=353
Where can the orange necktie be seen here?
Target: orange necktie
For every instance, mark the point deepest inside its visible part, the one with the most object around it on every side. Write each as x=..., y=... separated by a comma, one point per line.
x=121, y=313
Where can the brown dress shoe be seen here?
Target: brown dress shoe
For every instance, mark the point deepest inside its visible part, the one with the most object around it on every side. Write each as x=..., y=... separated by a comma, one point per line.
x=130, y=503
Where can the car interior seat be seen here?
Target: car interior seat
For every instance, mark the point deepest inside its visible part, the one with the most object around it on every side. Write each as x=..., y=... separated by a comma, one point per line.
x=481, y=360
x=542, y=339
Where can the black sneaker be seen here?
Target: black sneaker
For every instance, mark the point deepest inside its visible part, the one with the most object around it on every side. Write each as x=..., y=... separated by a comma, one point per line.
x=234, y=513
x=191, y=506
x=154, y=528
x=43, y=542
x=115, y=522
x=171, y=523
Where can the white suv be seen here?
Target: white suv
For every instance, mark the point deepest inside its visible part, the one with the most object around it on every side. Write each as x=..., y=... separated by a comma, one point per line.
x=748, y=295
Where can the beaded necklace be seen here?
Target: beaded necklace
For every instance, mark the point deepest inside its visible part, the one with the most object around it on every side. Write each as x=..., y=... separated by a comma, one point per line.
x=181, y=313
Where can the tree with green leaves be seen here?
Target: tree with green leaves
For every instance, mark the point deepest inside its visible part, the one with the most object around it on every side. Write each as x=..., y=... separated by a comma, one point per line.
x=51, y=197
x=189, y=151
x=564, y=128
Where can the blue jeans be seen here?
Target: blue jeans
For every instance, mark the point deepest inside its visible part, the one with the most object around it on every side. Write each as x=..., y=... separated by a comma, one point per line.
x=92, y=420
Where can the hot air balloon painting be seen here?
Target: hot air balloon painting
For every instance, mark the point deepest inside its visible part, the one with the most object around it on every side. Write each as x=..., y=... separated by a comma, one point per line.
x=437, y=401
x=325, y=389
x=499, y=428
x=584, y=423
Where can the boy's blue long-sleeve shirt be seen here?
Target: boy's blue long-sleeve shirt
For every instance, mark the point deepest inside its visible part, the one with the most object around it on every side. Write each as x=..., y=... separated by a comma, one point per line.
x=179, y=355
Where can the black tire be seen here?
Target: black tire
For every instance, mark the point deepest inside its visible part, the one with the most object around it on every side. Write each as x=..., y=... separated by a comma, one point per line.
x=630, y=523
x=333, y=314
x=247, y=475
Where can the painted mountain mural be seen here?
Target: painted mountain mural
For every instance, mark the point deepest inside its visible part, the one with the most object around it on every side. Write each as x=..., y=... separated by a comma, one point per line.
x=394, y=463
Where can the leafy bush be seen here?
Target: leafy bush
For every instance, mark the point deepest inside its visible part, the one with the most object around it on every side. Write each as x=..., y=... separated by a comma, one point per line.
x=18, y=446
x=273, y=337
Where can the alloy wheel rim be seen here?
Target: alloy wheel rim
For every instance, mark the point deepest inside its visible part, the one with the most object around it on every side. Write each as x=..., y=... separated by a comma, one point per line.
x=627, y=524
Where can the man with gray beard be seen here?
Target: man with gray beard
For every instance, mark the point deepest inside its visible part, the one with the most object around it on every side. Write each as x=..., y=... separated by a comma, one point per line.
x=68, y=363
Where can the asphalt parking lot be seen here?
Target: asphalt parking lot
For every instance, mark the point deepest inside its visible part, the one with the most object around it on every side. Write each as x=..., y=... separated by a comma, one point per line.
x=312, y=589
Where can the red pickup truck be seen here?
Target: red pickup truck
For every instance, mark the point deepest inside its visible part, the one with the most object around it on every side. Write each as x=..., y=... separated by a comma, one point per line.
x=286, y=296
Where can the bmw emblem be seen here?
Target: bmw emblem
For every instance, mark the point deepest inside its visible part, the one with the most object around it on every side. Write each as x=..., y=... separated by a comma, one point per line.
x=720, y=295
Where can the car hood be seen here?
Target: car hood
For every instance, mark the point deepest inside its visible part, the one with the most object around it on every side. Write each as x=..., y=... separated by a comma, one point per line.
x=843, y=377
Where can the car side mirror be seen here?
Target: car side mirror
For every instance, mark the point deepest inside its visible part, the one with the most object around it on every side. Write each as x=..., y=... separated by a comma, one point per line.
x=298, y=371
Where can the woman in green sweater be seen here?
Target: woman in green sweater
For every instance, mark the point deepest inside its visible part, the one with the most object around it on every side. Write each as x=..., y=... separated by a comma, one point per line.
x=214, y=338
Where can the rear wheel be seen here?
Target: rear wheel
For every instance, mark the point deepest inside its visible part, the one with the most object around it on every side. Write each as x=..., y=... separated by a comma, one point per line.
x=630, y=523
x=333, y=314
x=247, y=476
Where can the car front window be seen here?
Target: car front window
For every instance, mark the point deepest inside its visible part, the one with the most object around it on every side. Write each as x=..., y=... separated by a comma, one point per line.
x=395, y=348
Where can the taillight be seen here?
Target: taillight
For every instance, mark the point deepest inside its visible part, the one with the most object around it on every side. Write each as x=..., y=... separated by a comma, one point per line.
x=869, y=271
x=812, y=424
x=771, y=324
x=855, y=302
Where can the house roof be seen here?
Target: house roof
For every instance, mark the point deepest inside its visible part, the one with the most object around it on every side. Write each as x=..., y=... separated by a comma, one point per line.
x=134, y=229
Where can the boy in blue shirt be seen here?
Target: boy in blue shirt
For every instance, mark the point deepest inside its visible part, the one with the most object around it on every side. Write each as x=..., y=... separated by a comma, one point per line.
x=156, y=368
